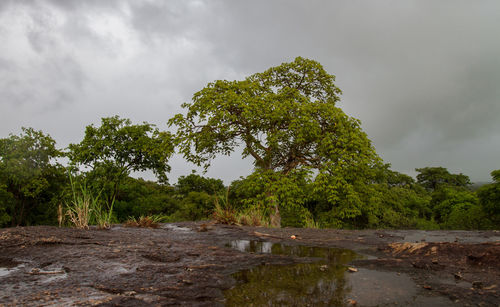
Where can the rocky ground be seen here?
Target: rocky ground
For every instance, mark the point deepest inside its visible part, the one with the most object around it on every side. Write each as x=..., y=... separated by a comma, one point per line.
x=196, y=264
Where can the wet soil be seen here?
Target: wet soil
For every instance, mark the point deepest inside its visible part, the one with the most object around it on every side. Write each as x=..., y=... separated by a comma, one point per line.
x=200, y=264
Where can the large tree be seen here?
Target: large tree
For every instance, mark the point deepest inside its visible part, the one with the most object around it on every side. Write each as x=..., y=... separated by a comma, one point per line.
x=30, y=178
x=432, y=178
x=117, y=148
x=285, y=118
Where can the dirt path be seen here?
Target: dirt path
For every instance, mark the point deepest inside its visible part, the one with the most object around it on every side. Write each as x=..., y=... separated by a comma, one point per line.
x=193, y=265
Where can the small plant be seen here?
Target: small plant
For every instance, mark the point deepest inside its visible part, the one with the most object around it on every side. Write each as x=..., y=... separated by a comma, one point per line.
x=253, y=217
x=103, y=217
x=150, y=221
x=223, y=211
x=85, y=208
x=311, y=223
x=81, y=206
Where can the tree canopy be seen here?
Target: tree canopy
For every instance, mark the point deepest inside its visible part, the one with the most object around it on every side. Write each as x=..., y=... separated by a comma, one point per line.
x=118, y=147
x=29, y=176
x=489, y=196
x=285, y=118
x=432, y=178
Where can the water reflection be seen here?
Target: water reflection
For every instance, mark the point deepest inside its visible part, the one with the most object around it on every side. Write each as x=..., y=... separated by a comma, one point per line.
x=295, y=285
x=325, y=282
x=326, y=253
x=321, y=283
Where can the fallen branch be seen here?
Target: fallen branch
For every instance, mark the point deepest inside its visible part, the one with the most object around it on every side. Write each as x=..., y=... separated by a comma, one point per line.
x=260, y=234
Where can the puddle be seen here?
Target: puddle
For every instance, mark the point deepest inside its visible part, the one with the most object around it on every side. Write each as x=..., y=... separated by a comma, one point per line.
x=336, y=255
x=7, y=271
x=445, y=236
x=326, y=282
x=177, y=228
x=52, y=278
x=8, y=266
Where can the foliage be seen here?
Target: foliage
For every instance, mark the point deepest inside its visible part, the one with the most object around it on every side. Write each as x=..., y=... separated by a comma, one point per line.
x=469, y=217
x=425, y=224
x=489, y=199
x=197, y=183
x=287, y=120
x=85, y=207
x=30, y=180
x=7, y=205
x=223, y=212
x=103, y=216
x=261, y=188
x=432, y=178
x=194, y=206
x=141, y=197
x=81, y=207
x=450, y=200
x=253, y=216
x=117, y=148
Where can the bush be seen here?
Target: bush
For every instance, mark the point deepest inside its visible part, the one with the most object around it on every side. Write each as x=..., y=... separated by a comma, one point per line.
x=424, y=224
x=466, y=217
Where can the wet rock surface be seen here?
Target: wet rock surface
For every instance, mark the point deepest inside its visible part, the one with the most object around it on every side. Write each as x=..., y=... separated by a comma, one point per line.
x=177, y=265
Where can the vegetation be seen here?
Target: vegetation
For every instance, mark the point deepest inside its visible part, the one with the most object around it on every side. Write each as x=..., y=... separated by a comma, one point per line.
x=150, y=221
x=117, y=148
x=287, y=120
x=31, y=181
x=86, y=207
x=313, y=167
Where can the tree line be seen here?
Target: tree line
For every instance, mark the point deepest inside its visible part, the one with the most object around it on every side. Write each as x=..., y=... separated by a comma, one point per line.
x=313, y=164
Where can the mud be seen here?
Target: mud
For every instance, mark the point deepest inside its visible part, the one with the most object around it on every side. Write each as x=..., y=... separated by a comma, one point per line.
x=195, y=264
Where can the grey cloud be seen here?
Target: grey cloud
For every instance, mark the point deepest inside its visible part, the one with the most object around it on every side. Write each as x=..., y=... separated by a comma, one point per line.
x=48, y=79
x=49, y=85
x=421, y=75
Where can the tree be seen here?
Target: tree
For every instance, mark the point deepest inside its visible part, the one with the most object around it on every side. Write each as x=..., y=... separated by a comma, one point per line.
x=117, y=148
x=285, y=118
x=489, y=198
x=197, y=183
x=139, y=197
x=451, y=199
x=432, y=178
x=30, y=179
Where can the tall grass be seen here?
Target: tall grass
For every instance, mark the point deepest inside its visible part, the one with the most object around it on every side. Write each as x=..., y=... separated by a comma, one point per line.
x=101, y=216
x=224, y=213
x=86, y=208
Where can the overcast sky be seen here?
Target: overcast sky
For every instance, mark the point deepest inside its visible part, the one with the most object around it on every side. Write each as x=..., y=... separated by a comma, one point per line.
x=423, y=76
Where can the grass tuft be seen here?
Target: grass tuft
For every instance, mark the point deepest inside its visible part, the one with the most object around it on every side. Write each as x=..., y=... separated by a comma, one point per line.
x=85, y=208
x=150, y=221
x=80, y=209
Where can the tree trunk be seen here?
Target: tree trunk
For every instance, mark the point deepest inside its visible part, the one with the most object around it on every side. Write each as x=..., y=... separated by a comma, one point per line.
x=276, y=217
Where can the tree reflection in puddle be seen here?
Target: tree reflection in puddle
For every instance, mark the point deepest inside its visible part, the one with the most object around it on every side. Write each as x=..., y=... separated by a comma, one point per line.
x=322, y=283
x=325, y=282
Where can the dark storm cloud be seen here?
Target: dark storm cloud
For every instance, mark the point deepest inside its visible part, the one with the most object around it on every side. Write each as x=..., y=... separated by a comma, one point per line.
x=421, y=75
x=413, y=71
